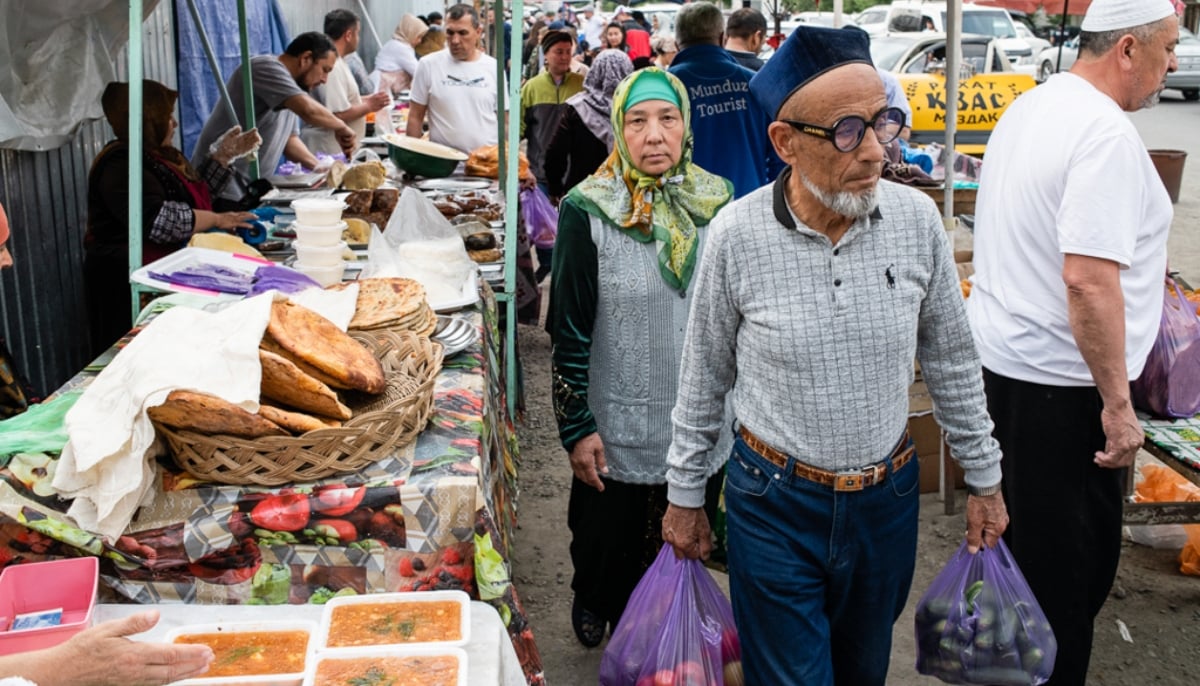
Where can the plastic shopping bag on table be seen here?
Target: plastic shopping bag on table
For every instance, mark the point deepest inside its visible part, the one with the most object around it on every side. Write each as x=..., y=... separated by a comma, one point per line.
x=541, y=219
x=1170, y=382
x=979, y=624
x=425, y=247
x=677, y=630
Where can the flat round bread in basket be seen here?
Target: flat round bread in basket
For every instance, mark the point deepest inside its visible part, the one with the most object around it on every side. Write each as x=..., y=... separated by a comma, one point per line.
x=378, y=426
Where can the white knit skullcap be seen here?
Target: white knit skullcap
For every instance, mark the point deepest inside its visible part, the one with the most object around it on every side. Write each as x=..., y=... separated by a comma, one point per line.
x=1113, y=15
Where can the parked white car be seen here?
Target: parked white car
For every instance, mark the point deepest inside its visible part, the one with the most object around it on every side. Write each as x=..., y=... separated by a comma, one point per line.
x=1030, y=64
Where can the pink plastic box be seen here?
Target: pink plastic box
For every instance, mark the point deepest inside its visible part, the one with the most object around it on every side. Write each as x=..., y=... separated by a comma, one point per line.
x=38, y=586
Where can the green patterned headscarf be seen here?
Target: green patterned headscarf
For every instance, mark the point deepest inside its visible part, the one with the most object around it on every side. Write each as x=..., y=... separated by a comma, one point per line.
x=665, y=209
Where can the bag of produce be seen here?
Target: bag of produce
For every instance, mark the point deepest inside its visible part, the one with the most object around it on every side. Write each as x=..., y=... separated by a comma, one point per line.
x=677, y=630
x=1170, y=382
x=541, y=219
x=979, y=624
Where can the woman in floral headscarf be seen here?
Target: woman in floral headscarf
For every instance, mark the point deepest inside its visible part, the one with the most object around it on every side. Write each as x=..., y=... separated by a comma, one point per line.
x=584, y=138
x=629, y=237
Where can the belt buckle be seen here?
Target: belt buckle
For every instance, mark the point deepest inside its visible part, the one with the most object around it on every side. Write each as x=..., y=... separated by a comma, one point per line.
x=848, y=481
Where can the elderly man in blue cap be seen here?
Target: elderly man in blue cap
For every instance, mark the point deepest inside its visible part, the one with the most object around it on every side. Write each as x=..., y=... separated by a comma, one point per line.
x=814, y=296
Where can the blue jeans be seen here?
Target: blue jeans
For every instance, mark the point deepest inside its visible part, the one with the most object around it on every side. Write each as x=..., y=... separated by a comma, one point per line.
x=817, y=577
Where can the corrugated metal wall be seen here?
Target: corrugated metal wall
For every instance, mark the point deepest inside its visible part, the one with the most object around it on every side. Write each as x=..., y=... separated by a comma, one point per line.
x=42, y=313
x=309, y=15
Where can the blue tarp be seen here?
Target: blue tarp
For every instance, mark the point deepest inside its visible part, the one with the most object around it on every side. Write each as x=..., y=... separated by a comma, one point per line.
x=198, y=92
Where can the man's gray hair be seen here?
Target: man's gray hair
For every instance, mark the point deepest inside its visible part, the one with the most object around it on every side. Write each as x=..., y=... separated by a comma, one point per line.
x=699, y=23
x=1096, y=43
x=461, y=10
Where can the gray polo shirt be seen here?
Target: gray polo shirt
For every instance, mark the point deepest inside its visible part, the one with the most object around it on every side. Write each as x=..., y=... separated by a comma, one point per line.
x=815, y=342
x=273, y=84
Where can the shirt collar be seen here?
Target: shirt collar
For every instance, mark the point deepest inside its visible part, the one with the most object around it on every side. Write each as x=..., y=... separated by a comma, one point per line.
x=783, y=212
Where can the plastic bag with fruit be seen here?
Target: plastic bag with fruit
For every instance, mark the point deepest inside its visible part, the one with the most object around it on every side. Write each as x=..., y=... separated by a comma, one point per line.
x=1169, y=385
x=677, y=630
x=979, y=624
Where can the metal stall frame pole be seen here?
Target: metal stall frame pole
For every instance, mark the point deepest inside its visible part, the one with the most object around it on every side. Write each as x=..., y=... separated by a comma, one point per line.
x=953, y=61
x=510, y=140
x=247, y=82
x=212, y=59
x=134, y=54
x=1062, y=36
x=366, y=19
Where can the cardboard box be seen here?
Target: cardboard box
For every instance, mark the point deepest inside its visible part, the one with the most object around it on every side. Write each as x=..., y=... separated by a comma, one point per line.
x=928, y=439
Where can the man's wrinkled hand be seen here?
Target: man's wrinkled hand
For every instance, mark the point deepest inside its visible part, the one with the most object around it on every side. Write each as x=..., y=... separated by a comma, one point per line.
x=587, y=461
x=1124, y=435
x=987, y=518
x=688, y=532
x=347, y=140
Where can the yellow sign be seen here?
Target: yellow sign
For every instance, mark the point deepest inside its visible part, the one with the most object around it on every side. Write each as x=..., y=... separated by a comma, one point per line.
x=981, y=101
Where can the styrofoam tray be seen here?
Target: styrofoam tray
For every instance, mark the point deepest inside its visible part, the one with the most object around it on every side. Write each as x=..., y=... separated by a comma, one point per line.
x=192, y=257
x=462, y=599
x=470, y=296
x=399, y=651
x=289, y=679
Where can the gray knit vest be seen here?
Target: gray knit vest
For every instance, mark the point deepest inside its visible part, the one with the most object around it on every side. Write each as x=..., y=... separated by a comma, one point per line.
x=637, y=342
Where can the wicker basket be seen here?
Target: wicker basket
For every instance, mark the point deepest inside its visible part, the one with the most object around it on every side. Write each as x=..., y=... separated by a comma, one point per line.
x=380, y=424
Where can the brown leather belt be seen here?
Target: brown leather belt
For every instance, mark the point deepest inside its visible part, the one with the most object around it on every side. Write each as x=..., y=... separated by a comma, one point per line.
x=853, y=480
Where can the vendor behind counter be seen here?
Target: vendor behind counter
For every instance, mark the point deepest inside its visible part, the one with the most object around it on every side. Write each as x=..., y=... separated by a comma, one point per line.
x=176, y=202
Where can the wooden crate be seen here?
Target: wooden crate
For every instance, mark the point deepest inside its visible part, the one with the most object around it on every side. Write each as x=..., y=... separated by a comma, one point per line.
x=964, y=199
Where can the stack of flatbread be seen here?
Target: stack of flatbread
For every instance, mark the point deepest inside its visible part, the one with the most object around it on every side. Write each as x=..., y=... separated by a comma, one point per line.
x=393, y=303
x=304, y=358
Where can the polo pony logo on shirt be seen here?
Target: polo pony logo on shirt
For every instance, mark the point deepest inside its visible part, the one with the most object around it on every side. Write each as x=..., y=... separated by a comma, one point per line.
x=477, y=82
x=891, y=278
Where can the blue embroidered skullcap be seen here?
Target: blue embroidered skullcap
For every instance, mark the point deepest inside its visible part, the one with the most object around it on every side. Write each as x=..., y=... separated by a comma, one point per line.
x=809, y=52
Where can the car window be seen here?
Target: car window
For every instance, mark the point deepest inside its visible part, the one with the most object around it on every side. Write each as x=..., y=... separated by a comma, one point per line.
x=886, y=52
x=872, y=17
x=995, y=24
x=933, y=55
x=975, y=55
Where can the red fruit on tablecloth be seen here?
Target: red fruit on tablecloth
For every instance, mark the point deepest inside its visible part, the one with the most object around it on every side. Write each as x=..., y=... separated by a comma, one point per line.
x=405, y=567
x=336, y=528
x=451, y=557
x=337, y=500
x=282, y=512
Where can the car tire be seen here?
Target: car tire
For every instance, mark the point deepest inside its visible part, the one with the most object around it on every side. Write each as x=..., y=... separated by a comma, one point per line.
x=1191, y=95
x=1045, y=71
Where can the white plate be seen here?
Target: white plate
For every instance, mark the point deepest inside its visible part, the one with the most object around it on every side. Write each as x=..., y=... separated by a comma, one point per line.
x=297, y=180
x=470, y=296
x=285, y=196
x=458, y=597
x=452, y=184
x=427, y=649
x=288, y=679
x=195, y=257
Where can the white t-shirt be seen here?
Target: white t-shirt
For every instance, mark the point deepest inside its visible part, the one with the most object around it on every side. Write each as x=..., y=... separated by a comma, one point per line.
x=1065, y=173
x=460, y=97
x=341, y=93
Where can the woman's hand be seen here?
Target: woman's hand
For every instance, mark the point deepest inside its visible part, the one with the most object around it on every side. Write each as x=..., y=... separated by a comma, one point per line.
x=587, y=461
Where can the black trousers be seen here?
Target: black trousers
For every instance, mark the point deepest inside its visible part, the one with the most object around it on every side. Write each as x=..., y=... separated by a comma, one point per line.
x=615, y=536
x=1065, y=512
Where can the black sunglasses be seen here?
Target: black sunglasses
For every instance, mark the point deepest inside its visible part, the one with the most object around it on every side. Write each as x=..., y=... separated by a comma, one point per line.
x=847, y=134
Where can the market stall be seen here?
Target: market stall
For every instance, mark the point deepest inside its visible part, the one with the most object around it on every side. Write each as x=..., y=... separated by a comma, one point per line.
x=435, y=514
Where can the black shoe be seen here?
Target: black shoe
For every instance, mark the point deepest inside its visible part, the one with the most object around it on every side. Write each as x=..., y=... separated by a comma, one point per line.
x=589, y=628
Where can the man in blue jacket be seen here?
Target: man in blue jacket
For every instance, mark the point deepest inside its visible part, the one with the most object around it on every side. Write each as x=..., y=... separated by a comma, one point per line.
x=729, y=127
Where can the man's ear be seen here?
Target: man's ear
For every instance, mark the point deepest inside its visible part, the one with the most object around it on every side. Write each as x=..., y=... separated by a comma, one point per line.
x=781, y=137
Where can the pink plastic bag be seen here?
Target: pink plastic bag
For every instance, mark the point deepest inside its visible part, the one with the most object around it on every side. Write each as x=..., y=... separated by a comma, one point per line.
x=677, y=630
x=1169, y=385
x=979, y=623
x=541, y=219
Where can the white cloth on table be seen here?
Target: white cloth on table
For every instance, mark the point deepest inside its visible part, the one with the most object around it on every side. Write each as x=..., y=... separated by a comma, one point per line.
x=107, y=465
x=337, y=306
x=491, y=659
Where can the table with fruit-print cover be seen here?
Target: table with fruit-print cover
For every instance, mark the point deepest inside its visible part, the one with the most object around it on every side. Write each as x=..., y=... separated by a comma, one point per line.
x=437, y=514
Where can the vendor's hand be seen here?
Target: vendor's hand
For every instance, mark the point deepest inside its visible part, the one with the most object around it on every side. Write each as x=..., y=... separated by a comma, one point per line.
x=1125, y=437
x=527, y=182
x=377, y=101
x=987, y=518
x=688, y=532
x=347, y=140
x=587, y=461
x=101, y=655
x=234, y=145
x=229, y=221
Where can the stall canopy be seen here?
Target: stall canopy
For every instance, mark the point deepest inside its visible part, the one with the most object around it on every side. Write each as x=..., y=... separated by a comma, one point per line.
x=55, y=58
x=1075, y=7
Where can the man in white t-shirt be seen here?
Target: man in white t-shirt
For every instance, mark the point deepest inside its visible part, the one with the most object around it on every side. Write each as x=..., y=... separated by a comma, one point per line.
x=340, y=93
x=456, y=88
x=1070, y=256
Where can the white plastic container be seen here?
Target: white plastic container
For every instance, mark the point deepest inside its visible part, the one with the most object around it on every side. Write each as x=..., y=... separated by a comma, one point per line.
x=458, y=597
x=288, y=679
x=325, y=275
x=427, y=650
x=319, y=235
x=318, y=211
x=319, y=255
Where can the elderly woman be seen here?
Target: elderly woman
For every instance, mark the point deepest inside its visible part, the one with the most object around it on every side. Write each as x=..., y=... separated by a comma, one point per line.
x=665, y=48
x=584, y=138
x=629, y=237
x=397, y=59
x=177, y=201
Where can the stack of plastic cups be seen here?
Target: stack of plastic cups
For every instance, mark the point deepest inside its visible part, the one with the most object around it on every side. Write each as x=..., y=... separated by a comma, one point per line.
x=319, y=245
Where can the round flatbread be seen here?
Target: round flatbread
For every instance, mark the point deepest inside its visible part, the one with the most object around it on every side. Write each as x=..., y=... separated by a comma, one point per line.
x=313, y=339
x=296, y=422
x=385, y=301
x=284, y=382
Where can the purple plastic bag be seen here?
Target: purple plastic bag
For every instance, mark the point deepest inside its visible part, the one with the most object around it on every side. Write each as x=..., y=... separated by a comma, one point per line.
x=210, y=277
x=282, y=279
x=677, y=630
x=1169, y=385
x=979, y=624
x=541, y=219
